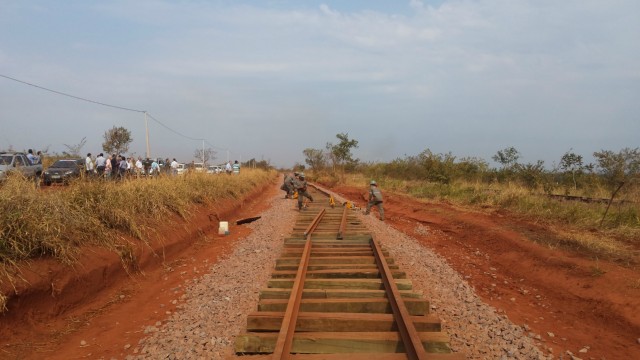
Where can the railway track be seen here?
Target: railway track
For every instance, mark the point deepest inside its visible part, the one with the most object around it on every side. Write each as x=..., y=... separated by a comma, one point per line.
x=335, y=293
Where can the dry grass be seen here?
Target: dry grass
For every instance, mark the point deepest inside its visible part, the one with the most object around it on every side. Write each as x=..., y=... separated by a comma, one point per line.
x=576, y=224
x=35, y=223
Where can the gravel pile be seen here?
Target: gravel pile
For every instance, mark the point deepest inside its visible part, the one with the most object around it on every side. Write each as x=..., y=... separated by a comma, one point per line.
x=214, y=308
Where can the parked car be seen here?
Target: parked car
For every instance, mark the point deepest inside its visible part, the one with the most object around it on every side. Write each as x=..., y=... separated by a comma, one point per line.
x=17, y=161
x=63, y=171
x=214, y=169
x=198, y=167
x=182, y=168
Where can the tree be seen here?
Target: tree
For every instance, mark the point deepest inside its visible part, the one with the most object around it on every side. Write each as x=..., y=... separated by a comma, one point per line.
x=340, y=154
x=74, y=150
x=315, y=158
x=571, y=162
x=255, y=164
x=117, y=140
x=530, y=174
x=618, y=169
x=508, y=157
x=205, y=155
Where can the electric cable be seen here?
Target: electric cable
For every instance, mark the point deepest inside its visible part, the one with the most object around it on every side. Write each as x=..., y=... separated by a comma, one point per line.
x=112, y=106
x=72, y=96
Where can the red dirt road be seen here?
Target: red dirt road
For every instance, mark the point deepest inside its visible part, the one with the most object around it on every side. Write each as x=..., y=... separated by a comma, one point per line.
x=581, y=301
x=571, y=301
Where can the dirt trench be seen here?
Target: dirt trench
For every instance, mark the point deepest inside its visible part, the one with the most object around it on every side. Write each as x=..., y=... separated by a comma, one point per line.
x=59, y=308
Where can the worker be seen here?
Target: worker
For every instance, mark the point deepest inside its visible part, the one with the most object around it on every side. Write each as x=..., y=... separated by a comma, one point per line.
x=236, y=168
x=301, y=187
x=375, y=199
x=287, y=185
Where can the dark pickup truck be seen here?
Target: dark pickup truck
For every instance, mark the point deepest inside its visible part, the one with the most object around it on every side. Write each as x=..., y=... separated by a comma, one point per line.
x=18, y=162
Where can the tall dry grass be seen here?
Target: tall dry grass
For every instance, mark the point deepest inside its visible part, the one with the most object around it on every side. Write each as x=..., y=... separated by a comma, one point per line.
x=48, y=222
x=577, y=224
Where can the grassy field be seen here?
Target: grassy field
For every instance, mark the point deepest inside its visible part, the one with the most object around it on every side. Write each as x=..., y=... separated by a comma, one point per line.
x=56, y=222
x=576, y=223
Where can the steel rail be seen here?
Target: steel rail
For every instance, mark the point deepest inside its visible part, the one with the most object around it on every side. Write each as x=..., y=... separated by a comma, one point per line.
x=283, y=345
x=343, y=224
x=314, y=223
x=408, y=333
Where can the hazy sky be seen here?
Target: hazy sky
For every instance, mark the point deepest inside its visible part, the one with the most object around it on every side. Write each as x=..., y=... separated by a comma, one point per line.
x=267, y=79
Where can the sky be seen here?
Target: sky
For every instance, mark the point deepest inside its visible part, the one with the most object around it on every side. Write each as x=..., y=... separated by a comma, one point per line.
x=268, y=79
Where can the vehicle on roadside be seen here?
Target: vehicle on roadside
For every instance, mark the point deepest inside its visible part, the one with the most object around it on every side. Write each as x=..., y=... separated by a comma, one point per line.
x=198, y=167
x=182, y=168
x=63, y=171
x=214, y=169
x=18, y=162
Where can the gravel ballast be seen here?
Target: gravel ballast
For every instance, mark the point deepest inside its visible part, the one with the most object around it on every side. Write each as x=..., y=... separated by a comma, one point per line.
x=214, y=307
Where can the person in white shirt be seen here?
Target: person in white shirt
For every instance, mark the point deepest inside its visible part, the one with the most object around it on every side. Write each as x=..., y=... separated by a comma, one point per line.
x=88, y=162
x=174, y=167
x=139, y=166
x=101, y=164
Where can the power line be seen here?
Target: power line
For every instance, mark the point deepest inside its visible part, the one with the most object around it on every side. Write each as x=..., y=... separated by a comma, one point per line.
x=173, y=131
x=112, y=106
x=72, y=96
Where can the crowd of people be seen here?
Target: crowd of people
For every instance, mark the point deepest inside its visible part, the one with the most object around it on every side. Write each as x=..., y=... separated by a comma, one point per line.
x=118, y=166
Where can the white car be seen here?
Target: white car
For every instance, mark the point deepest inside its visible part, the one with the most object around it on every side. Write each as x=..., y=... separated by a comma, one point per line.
x=182, y=168
x=214, y=169
x=199, y=167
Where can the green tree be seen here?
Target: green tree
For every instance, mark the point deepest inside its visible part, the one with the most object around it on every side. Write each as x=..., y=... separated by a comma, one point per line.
x=340, y=154
x=617, y=169
x=531, y=175
x=571, y=162
x=507, y=157
x=117, y=140
x=315, y=158
x=253, y=164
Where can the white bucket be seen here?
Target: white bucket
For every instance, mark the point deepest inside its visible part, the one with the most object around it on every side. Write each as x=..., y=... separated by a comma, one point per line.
x=224, y=228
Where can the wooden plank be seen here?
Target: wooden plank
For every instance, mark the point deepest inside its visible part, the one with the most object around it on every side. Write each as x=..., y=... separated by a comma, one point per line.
x=333, y=266
x=329, y=245
x=354, y=239
x=324, y=322
x=359, y=356
x=332, y=247
x=370, y=305
x=329, y=250
x=364, y=284
x=296, y=254
x=333, y=294
x=339, y=274
x=333, y=260
x=341, y=342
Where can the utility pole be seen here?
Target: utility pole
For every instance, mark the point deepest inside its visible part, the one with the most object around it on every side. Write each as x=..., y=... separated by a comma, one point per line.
x=146, y=127
x=203, y=162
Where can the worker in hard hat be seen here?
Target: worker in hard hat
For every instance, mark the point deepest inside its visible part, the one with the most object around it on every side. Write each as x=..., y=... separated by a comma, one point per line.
x=287, y=185
x=375, y=199
x=301, y=187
